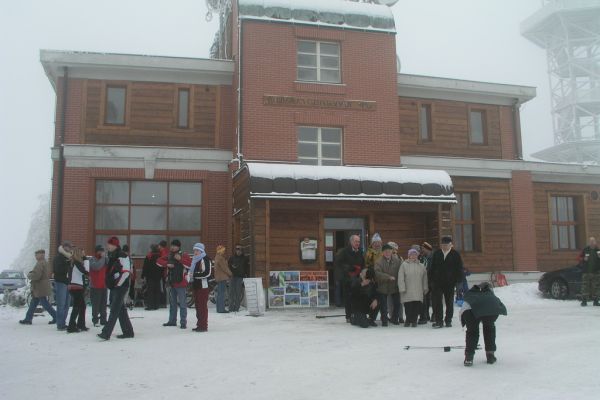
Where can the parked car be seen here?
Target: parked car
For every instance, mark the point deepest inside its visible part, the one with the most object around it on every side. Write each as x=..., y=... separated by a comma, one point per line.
x=12, y=280
x=563, y=283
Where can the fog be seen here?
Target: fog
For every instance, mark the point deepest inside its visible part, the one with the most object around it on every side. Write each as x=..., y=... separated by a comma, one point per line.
x=465, y=39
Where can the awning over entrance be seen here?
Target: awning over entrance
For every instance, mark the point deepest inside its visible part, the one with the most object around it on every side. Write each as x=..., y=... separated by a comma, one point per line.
x=293, y=181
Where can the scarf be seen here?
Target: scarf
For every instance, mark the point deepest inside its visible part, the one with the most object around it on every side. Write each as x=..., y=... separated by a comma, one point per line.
x=196, y=260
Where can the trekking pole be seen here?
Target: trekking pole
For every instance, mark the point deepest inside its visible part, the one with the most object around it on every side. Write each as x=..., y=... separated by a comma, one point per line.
x=330, y=316
x=445, y=348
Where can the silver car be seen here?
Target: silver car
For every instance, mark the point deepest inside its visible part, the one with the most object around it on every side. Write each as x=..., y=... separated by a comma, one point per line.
x=12, y=280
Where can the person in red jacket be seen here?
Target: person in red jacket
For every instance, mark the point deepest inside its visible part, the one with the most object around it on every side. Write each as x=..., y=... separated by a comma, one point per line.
x=177, y=264
x=98, y=292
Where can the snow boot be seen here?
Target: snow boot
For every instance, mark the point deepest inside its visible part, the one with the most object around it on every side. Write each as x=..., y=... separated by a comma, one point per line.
x=25, y=322
x=491, y=358
x=583, y=303
x=468, y=360
x=596, y=303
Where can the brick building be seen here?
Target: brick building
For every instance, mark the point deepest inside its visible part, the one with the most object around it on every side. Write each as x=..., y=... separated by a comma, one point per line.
x=303, y=128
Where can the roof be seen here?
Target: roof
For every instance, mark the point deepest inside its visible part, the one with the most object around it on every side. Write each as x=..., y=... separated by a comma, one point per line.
x=331, y=13
x=295, y=181
x=136, y=67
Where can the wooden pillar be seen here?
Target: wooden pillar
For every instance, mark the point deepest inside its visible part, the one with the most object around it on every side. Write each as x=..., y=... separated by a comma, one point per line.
x=267, y=240
x=321, y=242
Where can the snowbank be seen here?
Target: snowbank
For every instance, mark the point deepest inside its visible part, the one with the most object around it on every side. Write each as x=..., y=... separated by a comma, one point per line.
x=521, y=294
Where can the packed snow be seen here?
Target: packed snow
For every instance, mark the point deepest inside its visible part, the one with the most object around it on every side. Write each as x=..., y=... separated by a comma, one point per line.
x=547, y=350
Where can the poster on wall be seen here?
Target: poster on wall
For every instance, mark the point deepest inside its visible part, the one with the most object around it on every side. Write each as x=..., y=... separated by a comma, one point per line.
x=297, y=289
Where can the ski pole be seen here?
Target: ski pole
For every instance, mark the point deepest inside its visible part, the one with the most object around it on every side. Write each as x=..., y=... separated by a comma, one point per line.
x=330, y=316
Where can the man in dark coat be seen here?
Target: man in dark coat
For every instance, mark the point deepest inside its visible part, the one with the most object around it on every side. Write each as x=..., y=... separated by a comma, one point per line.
x=480, y=305
x=60, y=268
x=349, y=262
x=364, y=299
x=152, y=273
x=239, y=265
x=590, y=281
x=446, y=272
x=40, y=288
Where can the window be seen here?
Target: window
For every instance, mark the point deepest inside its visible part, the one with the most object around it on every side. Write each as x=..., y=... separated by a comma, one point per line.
x=425, y=122
x=114, y=113
x=183, y=102
x=319, y=146
x=318, y=61
x=563, y=211
x=466, y=224
x=141, y=213
x=477, y=126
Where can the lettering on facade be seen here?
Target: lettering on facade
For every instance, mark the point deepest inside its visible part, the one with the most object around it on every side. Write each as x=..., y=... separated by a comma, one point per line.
x=290, y=101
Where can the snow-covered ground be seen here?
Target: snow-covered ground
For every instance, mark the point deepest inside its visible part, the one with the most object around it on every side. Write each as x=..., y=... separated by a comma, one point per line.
x=546, y=350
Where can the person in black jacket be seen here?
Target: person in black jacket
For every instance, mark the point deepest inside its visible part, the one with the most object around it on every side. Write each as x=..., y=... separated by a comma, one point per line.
x=480, y=305
x=117, y=280
x=239, y=265
x=364, y=297
x=198, y=276
x=152, y=273
x=77, y=283
x=349, y=262
x=446, y=272
x=61, y=267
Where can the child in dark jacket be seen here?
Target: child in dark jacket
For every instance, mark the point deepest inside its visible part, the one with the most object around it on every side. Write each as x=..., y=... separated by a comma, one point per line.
x=364, y=299
x=481, y=306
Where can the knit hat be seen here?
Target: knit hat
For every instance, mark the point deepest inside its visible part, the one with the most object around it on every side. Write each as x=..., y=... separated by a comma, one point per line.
x=40, y=251
x=99, y=248
x=413, y=251
x=393, y=245
x=427, y=246
x=386, y=247
x=198, y=246
x=114, y=241
x=67, y=243
x=446, y=240
x=176, y=242
x=416, y=247
x=376, y=238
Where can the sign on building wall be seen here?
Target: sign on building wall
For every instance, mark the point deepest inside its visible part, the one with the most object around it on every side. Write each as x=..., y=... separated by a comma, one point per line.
x=291, y=101
x=295, y=289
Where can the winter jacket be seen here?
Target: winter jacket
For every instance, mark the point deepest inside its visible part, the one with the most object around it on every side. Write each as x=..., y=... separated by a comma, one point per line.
x=222, y=271
x=151, y=271
x=385, y=270
x=202, y=273
x=591, y=260
x=118, y=270
x=446, y=272
x=76, y=275
x=348, y=263
x=98, y=271
x=372, y=257
x=483, y=302
x=61, y=266
x=362, y=296
x=177, y=272
x=412, y=281
x=40, y=279
x=239, y=266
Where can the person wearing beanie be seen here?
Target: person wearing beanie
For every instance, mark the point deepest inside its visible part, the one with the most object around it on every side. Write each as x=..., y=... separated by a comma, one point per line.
x=200, y=271
x=152, y=274
x=425, y=258
x=239, y=264
x=446, y=272
x=386, y=273
x=98, y=291
x=481, y=306
x=412, y=284
x=40, y=288
x=222, y=276
x=177, y=264
x=374, y=251
x=348, y=263
x=61, y=265
x=118, y=272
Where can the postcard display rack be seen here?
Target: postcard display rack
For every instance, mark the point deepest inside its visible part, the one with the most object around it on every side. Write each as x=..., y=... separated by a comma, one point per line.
x=298, y=289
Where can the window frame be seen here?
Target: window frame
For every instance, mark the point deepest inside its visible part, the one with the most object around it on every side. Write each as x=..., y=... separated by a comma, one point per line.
x=190, y=108
x=318, y=61
x=168, y=234
x=119, y=85
x=475, y=222
x=484, y=125
x=578, y=221
x=429, y=105
x=319, y=143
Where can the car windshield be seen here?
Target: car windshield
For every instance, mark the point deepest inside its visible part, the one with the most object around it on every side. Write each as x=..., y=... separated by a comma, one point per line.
x=11, y=275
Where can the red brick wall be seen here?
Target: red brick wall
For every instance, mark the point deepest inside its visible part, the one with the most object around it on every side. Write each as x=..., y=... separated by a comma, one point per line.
x=522, y=206
x=73, y=117
x=368, y=65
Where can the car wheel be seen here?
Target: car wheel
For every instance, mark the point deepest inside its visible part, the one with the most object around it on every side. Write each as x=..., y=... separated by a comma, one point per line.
x=559, y=289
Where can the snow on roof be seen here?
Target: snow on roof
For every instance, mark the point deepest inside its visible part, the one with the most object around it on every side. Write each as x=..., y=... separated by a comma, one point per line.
x=376, y=174
x=336, y=13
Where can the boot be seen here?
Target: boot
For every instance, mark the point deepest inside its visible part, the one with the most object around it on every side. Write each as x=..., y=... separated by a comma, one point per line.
x=468, y=360
x=583, y=303
x=491, y=358
x=596, y=303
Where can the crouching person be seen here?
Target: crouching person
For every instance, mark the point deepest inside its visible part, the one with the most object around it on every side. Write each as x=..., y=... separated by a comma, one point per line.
x=481, y=306
x=364, y=299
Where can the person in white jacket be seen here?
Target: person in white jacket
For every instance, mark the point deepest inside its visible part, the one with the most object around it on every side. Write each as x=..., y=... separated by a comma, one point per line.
x=412, y=284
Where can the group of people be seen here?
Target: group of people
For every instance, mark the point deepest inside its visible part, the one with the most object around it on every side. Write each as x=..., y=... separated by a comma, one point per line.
x=370, y=283
x=109, y=275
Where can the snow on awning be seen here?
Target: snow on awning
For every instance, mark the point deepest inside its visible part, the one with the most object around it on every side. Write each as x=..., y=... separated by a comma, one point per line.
x=294, y=181
x=336, y=13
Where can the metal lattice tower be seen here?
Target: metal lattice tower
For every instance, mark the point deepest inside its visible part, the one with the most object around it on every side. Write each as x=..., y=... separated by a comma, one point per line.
x=569, y=30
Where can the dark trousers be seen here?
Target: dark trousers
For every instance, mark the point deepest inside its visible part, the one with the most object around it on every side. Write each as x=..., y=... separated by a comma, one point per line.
x=153, y=293
x=235, y=293
x=201, y=304
x=383, y=304
x=118, y=311
x=98, y=298
x=472, y=338
x=77, y=319
x=438, y=298
x=424, y=315
x=347, y=298
x=412, y=309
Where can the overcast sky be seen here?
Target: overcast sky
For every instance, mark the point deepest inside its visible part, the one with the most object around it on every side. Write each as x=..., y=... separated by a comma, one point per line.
x=466, y=39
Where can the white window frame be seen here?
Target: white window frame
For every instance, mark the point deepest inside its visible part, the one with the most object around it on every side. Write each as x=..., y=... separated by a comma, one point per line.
x=319, y=144
x=318, y=67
